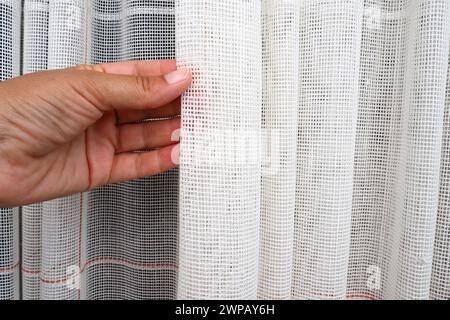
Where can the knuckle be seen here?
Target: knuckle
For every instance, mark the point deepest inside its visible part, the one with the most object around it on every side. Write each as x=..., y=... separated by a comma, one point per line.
x=139, y=167
x=159, y=162
x=89, y=67
x=84, y=67
x=145, y=84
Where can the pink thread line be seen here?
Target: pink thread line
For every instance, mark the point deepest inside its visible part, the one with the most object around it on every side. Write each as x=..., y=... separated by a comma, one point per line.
x=154, y=266
x=122, y=261
x=336, y=297
x=9, y=269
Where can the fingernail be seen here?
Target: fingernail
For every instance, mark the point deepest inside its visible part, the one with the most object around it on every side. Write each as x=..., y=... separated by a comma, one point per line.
x=176, y=76
x=175, y=135
x=175, y=154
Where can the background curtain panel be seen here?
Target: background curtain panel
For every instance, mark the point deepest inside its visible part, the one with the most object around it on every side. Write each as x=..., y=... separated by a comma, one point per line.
x=315, y=154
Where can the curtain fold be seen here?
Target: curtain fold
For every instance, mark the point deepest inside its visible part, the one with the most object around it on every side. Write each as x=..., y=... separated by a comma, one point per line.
x=221, y=124
x=280, y=57
x=315, y=158
x=330, y=42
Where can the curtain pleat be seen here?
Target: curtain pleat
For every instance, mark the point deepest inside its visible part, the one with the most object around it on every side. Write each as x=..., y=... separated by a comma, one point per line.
x=280, y=56
x=221, y=124
x=330, y=42
x=440, y=276
x=417, y=179
x=315, y=158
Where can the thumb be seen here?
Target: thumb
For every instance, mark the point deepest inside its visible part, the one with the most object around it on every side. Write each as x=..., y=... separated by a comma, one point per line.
x=114, y=91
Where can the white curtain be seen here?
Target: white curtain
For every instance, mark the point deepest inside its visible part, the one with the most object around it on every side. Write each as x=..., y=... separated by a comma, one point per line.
x=315, y=154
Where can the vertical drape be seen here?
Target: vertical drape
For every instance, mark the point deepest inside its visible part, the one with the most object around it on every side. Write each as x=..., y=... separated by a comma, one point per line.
x=280, y=56
x=221, y=122
x=330, y=42
x=314, y=153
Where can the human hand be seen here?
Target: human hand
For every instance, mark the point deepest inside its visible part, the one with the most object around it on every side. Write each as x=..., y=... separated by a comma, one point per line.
x=71, y=130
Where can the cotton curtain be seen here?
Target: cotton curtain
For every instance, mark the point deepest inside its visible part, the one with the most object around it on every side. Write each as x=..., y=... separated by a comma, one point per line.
x=315, y=154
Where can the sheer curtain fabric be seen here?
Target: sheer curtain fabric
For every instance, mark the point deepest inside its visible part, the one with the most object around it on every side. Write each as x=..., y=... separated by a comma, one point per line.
x=315, y=154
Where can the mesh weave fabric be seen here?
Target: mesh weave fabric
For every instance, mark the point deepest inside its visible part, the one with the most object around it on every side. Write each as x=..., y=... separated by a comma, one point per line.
x=315, y=153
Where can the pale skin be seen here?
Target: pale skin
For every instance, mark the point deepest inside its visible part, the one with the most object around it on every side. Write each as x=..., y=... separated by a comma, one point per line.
x=72, y=130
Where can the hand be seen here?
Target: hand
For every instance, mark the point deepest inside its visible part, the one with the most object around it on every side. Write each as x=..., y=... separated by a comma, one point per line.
x=71, y=130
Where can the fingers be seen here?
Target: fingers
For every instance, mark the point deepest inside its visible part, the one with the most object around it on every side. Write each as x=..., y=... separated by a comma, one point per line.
x=130, y=166
x=147, y=135
x=138, y=90
x=121, y=92
x=171, y=109
x=153, y=88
